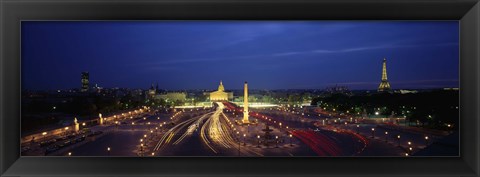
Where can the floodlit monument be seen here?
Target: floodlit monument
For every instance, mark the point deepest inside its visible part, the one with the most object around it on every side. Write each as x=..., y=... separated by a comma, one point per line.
x=245, y=104
x=76, y=124
x=384, y=85
x=220, y=94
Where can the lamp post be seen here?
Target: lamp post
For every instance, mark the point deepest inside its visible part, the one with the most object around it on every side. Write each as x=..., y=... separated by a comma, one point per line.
x=386, y=136
x=108, y=151
x=239, y=144
x=141, y=149
x=276, y=140
x=244, y=136
x=373, y=133
x=44, y=135
x=426, y=141
x=258, y=138
x=358, y=127
x=290, y=139
x=398, y=140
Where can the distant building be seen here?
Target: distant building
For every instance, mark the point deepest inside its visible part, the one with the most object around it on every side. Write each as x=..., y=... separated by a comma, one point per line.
x=384, y=84
x=172, y=96
x=448, y=88
x=152, y=92
x=220, y=94
x=338, y=90
x=407, y=91
x=85, y=82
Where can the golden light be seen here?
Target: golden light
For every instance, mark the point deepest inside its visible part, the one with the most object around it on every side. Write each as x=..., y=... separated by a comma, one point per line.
x=409, y=143
x=44, y=133
x=66, y=128
x=69, y=153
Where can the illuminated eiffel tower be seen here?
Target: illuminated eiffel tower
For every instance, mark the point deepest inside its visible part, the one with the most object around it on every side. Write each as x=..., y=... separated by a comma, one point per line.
x=384, y=85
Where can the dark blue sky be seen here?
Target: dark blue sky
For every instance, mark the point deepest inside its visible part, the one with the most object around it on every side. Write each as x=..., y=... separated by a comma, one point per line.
x=267, y=54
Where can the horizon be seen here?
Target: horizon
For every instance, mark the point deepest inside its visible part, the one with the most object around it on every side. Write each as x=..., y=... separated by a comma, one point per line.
x=270, y=55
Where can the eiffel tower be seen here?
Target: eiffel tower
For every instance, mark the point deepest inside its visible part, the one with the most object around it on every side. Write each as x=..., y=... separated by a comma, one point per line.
x=384, y=85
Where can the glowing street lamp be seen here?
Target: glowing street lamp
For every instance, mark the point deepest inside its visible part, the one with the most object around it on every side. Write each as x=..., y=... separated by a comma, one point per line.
x=290, y=139
x=373, y=133
x=69, y=153
x=258, y=137
x=108, y=151
x=276, y=140
x=386, y=136
x=244, y=136
x=426, y=140
x=398, y=139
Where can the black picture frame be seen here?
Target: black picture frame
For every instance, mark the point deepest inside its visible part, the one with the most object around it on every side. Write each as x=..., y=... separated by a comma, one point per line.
x=14, y=11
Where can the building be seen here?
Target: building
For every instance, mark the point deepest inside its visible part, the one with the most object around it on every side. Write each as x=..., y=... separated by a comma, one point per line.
x=85, y=82
x=384, y=84
x=220, y=94
x=152, y=92
x=172, y=96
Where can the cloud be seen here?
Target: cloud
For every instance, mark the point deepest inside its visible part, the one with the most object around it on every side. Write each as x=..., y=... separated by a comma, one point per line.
x=293, y=53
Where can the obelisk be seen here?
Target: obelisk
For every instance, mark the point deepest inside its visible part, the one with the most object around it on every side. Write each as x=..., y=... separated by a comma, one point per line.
x=245, y=104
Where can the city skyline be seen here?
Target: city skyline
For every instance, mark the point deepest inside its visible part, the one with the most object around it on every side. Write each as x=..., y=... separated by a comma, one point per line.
x=269, y=55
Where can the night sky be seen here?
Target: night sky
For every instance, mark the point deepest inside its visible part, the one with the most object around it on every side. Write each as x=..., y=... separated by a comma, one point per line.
x=267, y=54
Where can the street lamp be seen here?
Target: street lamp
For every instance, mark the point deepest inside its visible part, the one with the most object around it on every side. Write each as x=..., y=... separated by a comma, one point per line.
x=276, y=140
x=44, y=134
x=244, y=136
x=373, y=133
x=358, y=127
x=108, y=151
x=258, y=137
x=386, y=136
x=69, y=153
x=398, y=139
x=290, y=139
x=426, y=140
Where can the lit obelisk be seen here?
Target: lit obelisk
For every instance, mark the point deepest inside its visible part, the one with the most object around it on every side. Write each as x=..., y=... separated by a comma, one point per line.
x=245, y=104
